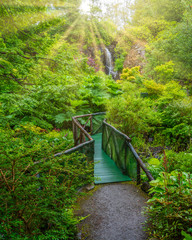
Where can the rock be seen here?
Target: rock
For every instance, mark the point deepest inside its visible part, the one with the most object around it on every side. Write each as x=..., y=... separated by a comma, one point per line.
x=150, y=139
x=90, y=187
x=145, y=187
x=79, y=236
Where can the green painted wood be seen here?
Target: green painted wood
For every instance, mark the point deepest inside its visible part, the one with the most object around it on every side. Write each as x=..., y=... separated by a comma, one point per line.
x=105, y=169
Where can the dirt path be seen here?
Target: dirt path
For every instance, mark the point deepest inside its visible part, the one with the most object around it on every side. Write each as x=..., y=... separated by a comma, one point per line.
x=114, y=213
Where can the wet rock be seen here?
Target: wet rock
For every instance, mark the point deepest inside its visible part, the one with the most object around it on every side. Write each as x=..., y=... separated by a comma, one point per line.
x=145, y=187
x=79, y=236
x=90, y=187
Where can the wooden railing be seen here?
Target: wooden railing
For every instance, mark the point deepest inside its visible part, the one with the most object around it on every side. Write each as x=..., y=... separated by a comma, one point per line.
x=82, y=134
x=80, y=131
x=86, y=125
x=118, y=146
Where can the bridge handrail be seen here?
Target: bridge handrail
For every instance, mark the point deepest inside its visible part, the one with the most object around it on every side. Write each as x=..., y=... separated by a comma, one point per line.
x=115, y=154
x=81, y=142
x=76, y=124
x=141, y=163
x=120, y=133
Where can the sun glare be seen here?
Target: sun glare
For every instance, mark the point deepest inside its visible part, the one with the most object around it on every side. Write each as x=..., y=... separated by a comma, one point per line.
x=85, y=7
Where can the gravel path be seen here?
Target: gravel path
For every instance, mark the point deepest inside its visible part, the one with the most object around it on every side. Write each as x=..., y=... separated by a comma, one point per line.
x=114, y=213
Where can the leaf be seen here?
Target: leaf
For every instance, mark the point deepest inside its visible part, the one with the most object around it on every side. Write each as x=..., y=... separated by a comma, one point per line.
x=154, y=161
x=60, y=118
x=187, y=236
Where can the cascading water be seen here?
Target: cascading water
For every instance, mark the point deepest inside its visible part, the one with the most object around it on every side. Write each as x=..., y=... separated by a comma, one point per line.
x=109, y=63
x=108, y=59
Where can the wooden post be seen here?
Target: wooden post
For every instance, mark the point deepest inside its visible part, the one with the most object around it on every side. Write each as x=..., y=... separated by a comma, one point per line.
x=83, y=137
x=74, y=133
x=91, y=124
x=80, y=137
x=138, y=174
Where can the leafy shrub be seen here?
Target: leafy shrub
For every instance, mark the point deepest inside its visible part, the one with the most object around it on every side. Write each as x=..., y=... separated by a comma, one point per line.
x=141, y=32
x=176, y=119
x=169, y=209
x=170, y=161
x=172, y=44
x=92, y=94
x=179, y=161
x=119, y=63
x=165, y=72
x=131, y=115
x=37, y=190
x=132, y=75
x=153, y=89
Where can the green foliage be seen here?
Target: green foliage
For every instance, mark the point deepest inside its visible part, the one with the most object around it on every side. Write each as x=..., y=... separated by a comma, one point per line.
x=163, y=115
x=131, y=74
x=165, y=72
x=176, y=118
x=166, y=26
x=45, y=79
x=107, y=30
x=92, y=94
x=170, y=10
x=173, y=44
x=169, y=209
x=179, y=161
x=131, y=114
x=171, y=161
x=44, y=82
x=153, y=89
x=187, y=236
x=39, y=107
x=119, y=63
x=19, y=8
x=112, y=87
x=141, y=33
x=38, y=190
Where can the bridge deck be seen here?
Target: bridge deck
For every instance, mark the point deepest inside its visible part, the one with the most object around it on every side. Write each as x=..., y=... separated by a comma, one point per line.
x=105, y=169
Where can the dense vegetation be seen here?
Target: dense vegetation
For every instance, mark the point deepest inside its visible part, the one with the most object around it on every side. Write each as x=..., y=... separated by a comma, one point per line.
x=155, y=109
x=45, y=79
x=52, y=66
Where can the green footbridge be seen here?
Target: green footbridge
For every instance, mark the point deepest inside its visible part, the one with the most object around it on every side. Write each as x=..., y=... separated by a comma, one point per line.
x=105, y=169
x=115, y=159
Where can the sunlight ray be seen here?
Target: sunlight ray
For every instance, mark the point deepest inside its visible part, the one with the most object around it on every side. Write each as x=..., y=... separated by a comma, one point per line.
x=96, y=49
x=99, y=35
x=59, y=43
x=12, y=23
x=82, y=33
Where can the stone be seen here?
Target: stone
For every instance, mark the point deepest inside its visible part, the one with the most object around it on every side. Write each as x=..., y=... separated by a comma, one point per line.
x=90, y=187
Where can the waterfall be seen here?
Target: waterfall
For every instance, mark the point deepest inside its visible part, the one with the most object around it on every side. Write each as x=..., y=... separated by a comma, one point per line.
x=109, y=63
x=108, y=60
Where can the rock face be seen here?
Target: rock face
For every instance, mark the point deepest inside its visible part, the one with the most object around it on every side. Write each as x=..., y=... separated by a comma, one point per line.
x=136, y=56
x=107, y=58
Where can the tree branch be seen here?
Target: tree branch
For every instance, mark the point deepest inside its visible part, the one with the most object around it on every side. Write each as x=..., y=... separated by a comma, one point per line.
x=5, y=180
x=13, y=20
x=26, y=57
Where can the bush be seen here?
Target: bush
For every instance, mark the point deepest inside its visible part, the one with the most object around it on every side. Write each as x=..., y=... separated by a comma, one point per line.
x=119, y=62
x=165, y=72
x=176, y=119
x=153, y=89
x=37, y=190
x=169, y=210
x=132, y=75
x=179, y=161
x=131, y=115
